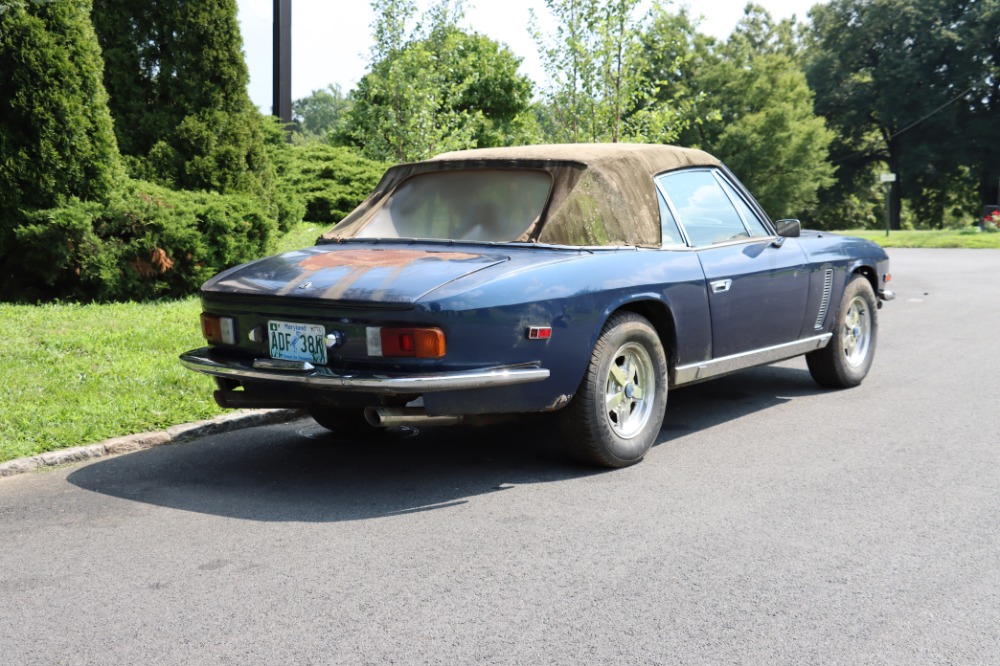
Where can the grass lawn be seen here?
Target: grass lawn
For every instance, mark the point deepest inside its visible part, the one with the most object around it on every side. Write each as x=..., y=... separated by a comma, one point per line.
x=77, y=374
x=930, y=238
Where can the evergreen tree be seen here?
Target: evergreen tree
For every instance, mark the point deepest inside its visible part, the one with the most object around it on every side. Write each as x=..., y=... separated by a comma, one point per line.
x=56, y=141
x=177, y=82
x=56, y=138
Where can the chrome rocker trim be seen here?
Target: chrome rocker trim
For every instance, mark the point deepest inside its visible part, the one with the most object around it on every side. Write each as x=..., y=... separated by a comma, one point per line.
x=696, y=372
x=202, y=360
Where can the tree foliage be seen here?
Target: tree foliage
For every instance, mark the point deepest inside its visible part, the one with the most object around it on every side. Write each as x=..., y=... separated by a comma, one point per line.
x=599, y=83
x=766, y=129
x=435, y=88
x=56, y=138
x=177, y=81
x=746, y=100
x=321, y=113
x=911, y=86
x=329, y=181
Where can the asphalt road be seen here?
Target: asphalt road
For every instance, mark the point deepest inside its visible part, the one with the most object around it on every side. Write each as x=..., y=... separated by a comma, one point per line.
x=773, y=523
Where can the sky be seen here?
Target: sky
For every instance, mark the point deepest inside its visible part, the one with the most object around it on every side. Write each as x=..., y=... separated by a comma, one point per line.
x=331, y=38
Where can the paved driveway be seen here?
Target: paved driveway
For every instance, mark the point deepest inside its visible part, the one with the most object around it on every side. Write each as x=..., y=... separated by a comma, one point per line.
x=773, y=523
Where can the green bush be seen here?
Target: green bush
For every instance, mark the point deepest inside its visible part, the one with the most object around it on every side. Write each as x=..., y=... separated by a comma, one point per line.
x=330, y=181
x=148, y=242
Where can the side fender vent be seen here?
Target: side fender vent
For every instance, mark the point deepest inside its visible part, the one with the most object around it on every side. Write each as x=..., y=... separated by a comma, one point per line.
x=824, y=303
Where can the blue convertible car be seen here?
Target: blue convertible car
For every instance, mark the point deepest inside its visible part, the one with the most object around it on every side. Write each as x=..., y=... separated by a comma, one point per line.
x=585, y=280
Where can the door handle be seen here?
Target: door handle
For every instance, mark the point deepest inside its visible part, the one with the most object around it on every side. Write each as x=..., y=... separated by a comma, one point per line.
x=720, y=286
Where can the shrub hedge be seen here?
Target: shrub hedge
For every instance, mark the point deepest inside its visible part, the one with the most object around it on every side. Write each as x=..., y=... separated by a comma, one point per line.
x=330, y=181
x=146, y=242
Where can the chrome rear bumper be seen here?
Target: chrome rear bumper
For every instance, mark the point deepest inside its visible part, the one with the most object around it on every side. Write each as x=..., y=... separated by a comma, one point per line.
x=204, y=361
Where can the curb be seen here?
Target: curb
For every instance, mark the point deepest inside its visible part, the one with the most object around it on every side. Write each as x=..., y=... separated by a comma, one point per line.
x=128, y=443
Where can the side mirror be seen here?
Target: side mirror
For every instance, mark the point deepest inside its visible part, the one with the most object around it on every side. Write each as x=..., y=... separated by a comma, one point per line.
x=788, y=228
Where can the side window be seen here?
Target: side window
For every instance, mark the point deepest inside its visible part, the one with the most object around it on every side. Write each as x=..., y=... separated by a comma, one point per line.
x=757, y=227
x=669, y=234
x=705, y=212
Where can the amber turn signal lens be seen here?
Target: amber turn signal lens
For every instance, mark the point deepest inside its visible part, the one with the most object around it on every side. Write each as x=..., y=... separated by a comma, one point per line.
x=218, y=329
x=415, y=342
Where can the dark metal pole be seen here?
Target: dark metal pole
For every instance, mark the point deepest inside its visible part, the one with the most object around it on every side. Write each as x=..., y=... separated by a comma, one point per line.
x=282, y=81
x=888, y=213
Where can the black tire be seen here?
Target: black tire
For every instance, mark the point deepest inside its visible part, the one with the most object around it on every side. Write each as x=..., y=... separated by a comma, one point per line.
x=342, y=421
x=628, y=365
x=846, y=360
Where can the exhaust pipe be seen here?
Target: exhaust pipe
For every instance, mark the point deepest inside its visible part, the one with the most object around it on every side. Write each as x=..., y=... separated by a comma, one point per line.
x=384, y=417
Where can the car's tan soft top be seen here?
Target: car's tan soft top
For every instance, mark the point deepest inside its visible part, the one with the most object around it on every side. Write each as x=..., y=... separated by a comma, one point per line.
x=602, y=194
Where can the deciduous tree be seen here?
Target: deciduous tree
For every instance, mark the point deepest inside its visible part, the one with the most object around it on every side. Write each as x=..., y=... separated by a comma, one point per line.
x=321, y=112
x=435, y=87
x=904, y=82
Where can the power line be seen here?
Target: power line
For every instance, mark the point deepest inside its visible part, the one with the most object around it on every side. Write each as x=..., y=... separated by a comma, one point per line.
x=922, y=119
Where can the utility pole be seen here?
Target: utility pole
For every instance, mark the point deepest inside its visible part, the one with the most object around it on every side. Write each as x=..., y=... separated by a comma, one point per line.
x=282, y=79
x=887, y=179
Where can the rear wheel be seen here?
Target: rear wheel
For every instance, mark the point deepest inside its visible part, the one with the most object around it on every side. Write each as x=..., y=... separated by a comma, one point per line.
x=618, y=409
x=846, y=360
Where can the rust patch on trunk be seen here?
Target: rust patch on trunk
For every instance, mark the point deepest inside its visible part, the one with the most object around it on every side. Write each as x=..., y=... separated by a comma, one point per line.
x=377, y=258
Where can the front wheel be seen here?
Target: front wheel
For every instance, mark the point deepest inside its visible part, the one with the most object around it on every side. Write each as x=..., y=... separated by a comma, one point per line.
x=846, y=360
x=618, y=409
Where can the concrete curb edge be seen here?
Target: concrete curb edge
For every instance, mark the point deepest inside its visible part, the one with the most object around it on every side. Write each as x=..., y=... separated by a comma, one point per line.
x=128, y=443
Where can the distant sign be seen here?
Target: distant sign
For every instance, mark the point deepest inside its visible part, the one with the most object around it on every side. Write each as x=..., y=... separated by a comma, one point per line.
x=887, y=178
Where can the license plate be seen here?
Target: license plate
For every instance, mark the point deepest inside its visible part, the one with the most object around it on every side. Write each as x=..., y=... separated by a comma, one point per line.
x=292, y=341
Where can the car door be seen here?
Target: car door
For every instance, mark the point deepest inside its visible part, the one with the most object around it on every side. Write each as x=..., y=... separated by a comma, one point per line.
x=758, y=284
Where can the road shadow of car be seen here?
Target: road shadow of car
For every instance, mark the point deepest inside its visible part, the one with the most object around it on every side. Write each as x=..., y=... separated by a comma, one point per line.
x=700, y=406
x=301, y=472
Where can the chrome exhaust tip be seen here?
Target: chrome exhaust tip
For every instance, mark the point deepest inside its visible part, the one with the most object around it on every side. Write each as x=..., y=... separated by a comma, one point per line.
x=386, y=417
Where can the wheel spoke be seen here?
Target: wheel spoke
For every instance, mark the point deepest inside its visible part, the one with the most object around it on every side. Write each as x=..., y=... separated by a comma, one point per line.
x=628, y=367
x=637, y=393
x=623, y=414
x=618, y=374
x=614, y=400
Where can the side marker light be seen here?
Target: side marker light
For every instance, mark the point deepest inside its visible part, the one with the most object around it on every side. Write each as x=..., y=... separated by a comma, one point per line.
x=539, y=332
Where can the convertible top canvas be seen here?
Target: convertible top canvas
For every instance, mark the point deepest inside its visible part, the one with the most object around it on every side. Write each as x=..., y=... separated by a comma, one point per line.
x=601, y=194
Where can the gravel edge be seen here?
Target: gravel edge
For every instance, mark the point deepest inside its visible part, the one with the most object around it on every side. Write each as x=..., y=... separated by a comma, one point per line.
x=128, y=443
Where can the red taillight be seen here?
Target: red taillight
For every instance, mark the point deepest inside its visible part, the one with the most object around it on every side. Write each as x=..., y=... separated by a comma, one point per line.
x=412, y=342
x=218, y=329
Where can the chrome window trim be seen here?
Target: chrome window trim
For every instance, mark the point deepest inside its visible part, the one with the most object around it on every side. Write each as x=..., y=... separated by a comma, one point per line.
x=719, y=176
x=720, y=173
x=670, y=206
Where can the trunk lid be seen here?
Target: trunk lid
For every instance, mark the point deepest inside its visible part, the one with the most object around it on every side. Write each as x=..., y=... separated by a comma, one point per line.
x=353, y=272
